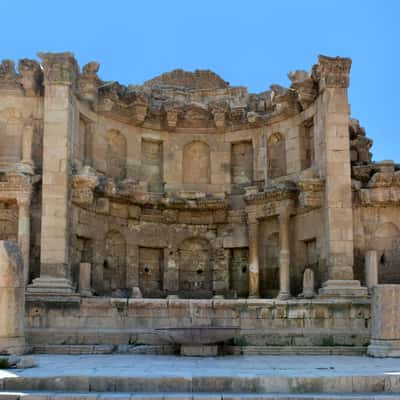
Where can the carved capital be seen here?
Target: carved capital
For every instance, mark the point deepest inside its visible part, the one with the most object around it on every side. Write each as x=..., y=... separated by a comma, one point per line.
x=89, y=82
x=30, y=76
x=8, y=76
x=60, y=68
x=332, y=72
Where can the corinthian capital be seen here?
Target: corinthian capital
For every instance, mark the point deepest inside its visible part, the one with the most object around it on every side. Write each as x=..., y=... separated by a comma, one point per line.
x=332, y=72
x=59, y=68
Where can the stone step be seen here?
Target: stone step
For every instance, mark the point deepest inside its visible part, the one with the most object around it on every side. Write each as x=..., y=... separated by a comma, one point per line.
x=385, y=383
x=169, y=349
x=42, y=395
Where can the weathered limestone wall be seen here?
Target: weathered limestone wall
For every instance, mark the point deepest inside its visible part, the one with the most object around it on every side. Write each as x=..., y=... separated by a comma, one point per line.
x=261, y=322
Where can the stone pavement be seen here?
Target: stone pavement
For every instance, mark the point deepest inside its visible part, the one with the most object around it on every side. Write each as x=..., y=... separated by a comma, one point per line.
x=105, y=376
x=158, y=366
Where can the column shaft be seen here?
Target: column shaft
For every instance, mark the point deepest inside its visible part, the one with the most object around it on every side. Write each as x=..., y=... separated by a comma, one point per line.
x=24, y=227
x=284, y=256
x=254, y=270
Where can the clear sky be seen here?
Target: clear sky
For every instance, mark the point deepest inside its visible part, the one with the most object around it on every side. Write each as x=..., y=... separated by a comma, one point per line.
x=249, y=43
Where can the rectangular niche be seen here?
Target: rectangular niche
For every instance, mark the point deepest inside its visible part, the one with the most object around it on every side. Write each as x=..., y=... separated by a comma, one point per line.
x=307, y=144
x=152, y=164
x=239, y=271
x=150, y=270
x=242, y=163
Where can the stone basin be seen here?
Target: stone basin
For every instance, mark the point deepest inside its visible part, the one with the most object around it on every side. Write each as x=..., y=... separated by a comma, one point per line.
x=197, y=335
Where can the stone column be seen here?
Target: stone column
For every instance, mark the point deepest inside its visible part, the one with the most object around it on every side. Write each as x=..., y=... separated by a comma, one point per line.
x=85, y=272
x=371, y=269
x=12, y=299
x=60, y=116
x=385, y=328
x=24, y=230
x=333, y=159
x=27, y=139
x=284, y=255
x=254, y=269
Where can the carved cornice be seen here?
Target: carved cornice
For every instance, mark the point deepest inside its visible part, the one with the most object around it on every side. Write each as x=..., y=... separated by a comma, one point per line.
x=278, y=192
x=60, y=68
x=15, y=186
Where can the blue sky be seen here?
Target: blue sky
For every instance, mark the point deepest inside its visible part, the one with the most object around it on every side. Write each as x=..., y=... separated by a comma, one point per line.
x=249, y=43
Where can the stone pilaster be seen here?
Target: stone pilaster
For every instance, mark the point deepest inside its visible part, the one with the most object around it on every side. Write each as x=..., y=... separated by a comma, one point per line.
x=254, y=269
x=332, y=135
x=60, y=74
x=284, y=255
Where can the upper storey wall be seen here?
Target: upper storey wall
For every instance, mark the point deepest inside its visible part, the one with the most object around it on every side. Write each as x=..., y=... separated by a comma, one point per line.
x=209, y=162
x=179, y=131
x=21, y=114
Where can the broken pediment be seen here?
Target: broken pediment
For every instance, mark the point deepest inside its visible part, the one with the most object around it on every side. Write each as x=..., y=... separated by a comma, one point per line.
x=198, y=79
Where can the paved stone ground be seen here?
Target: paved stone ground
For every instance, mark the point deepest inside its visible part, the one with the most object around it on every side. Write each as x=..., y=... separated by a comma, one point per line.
x=234, y=366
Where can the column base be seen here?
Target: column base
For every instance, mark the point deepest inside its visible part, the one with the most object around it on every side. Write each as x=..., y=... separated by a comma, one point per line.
x=13, y=346
x=283, y=296
x=384, y=348
x=48, y=284
x=343, y=288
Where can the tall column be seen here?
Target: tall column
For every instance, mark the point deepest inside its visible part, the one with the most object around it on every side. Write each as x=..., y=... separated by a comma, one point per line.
x=60, y=73
x=254, y=269
x=332, y=137
x=284, y=255
x=24, y=228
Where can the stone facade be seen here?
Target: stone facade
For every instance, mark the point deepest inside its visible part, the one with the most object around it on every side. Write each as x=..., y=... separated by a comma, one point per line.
x=184, y=188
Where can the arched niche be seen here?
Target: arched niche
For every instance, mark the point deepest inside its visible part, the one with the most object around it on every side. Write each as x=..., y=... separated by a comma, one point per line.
x=116, y=154
x=276, y=156
x=195, y=275
x=114, y=266
x=196, y=163
x=386, y=241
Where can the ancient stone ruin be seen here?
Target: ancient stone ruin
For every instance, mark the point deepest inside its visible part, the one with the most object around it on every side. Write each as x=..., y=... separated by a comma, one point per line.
x=188, y=202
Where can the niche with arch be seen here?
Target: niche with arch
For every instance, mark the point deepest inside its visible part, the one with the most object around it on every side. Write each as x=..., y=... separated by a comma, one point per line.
x=195, y=275
x=276, y=153
x=239, y=271
x=386, y=240
x=196, y=163
x=242, y=163
x=150, y=270
x=114, y=266
x=116, y=154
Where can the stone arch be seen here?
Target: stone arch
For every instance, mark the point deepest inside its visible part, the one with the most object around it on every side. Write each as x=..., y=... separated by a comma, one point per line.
x=196, y=163
x=116, y=154
x=386, y=240
x=269, y=275
x=114, y=265
x=276, y=153
x=195, y=275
